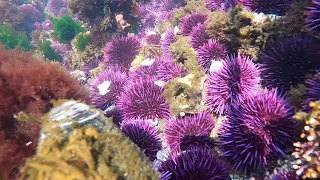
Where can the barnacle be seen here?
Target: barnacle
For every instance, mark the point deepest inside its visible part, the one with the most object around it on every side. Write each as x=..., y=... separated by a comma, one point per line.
x=307, y=151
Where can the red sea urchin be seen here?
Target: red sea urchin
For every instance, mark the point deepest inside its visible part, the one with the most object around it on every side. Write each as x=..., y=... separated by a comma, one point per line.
x=106, y=87
x=195, y=164
x=188, y=23
x=209, y=51
x=196, y=125
x=238, y=78
x=313, y=16
x=143, y=135
x=277, y=7
x=285, y=62
x=122, y=51
x=143, y=99
x=259, y=130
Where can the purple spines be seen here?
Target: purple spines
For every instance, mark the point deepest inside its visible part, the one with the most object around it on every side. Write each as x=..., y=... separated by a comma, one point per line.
x=54, y=7
x=312, y=91
x=198, y=36
x=277, y=7
x=194, y=164
x=122, y=51
x=94, y=63
x=285, y=62
x=256, y=132
x=197, y=125
x=166, y=41
x=146, y=71
x=222, y=5
x=143, y=135
x=153, y=39
x=237, y=78
x=210, y=51
x=313, y=16
x=193, y=141
x=188, y=23
x=106, y=87
x=142, y=99
x=168, y=70
x=31, y=12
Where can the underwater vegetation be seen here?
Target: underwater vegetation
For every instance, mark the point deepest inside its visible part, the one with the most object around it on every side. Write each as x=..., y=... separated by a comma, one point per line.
x=11, y=39
x=65, y=29
x=28, y=84
x=48, y=52
x=88, y=154
x=82, y=41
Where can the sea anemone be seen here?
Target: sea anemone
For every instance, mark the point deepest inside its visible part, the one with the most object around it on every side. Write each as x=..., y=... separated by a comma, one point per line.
x=167, y=70
x=142, y=99
x=143, y=135
x=312, y=91
x=258, y=131
x=313, y=16
x=210, y=51
x=222, y=5
x=277, y=7
x=191, y=142
x=188, y=23
x=122, y=51
x=198, y=36
x=200, y=124
x=286, y=62
x=167, y=39
x=106, y=87
x=238, y=78
x=195, y=164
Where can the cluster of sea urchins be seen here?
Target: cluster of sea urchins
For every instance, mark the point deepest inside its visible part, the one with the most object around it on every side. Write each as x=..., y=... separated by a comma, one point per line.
x=257, y=127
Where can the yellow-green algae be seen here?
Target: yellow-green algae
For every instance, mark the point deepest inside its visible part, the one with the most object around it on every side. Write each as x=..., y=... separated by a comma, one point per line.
x=183, y=53
x=86, y=154
x=184, y=95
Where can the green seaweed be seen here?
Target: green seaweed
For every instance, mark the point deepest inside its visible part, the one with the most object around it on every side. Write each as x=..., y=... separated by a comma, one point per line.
x=65, y=29
x=11, y=39
x=48, y=51
x=82, y=41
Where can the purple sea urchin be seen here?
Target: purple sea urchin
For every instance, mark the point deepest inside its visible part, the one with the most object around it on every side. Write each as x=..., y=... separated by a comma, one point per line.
x=122, y=51
x=238, y=78
x=166, y=41
x=197, y=125
x=195, y=164
x=259, y=130
x=167, y=70
x=212, y=50
x=143, y=135
x=143, y=99
x=153, y=39
x=188, y=23
x=286, y=62
x=142, y=72
x=106, y=87
x=312, y=91
x=277, y=7
x=222, y=5
x=191, y=142
x=313, y=16
x=198, y=36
